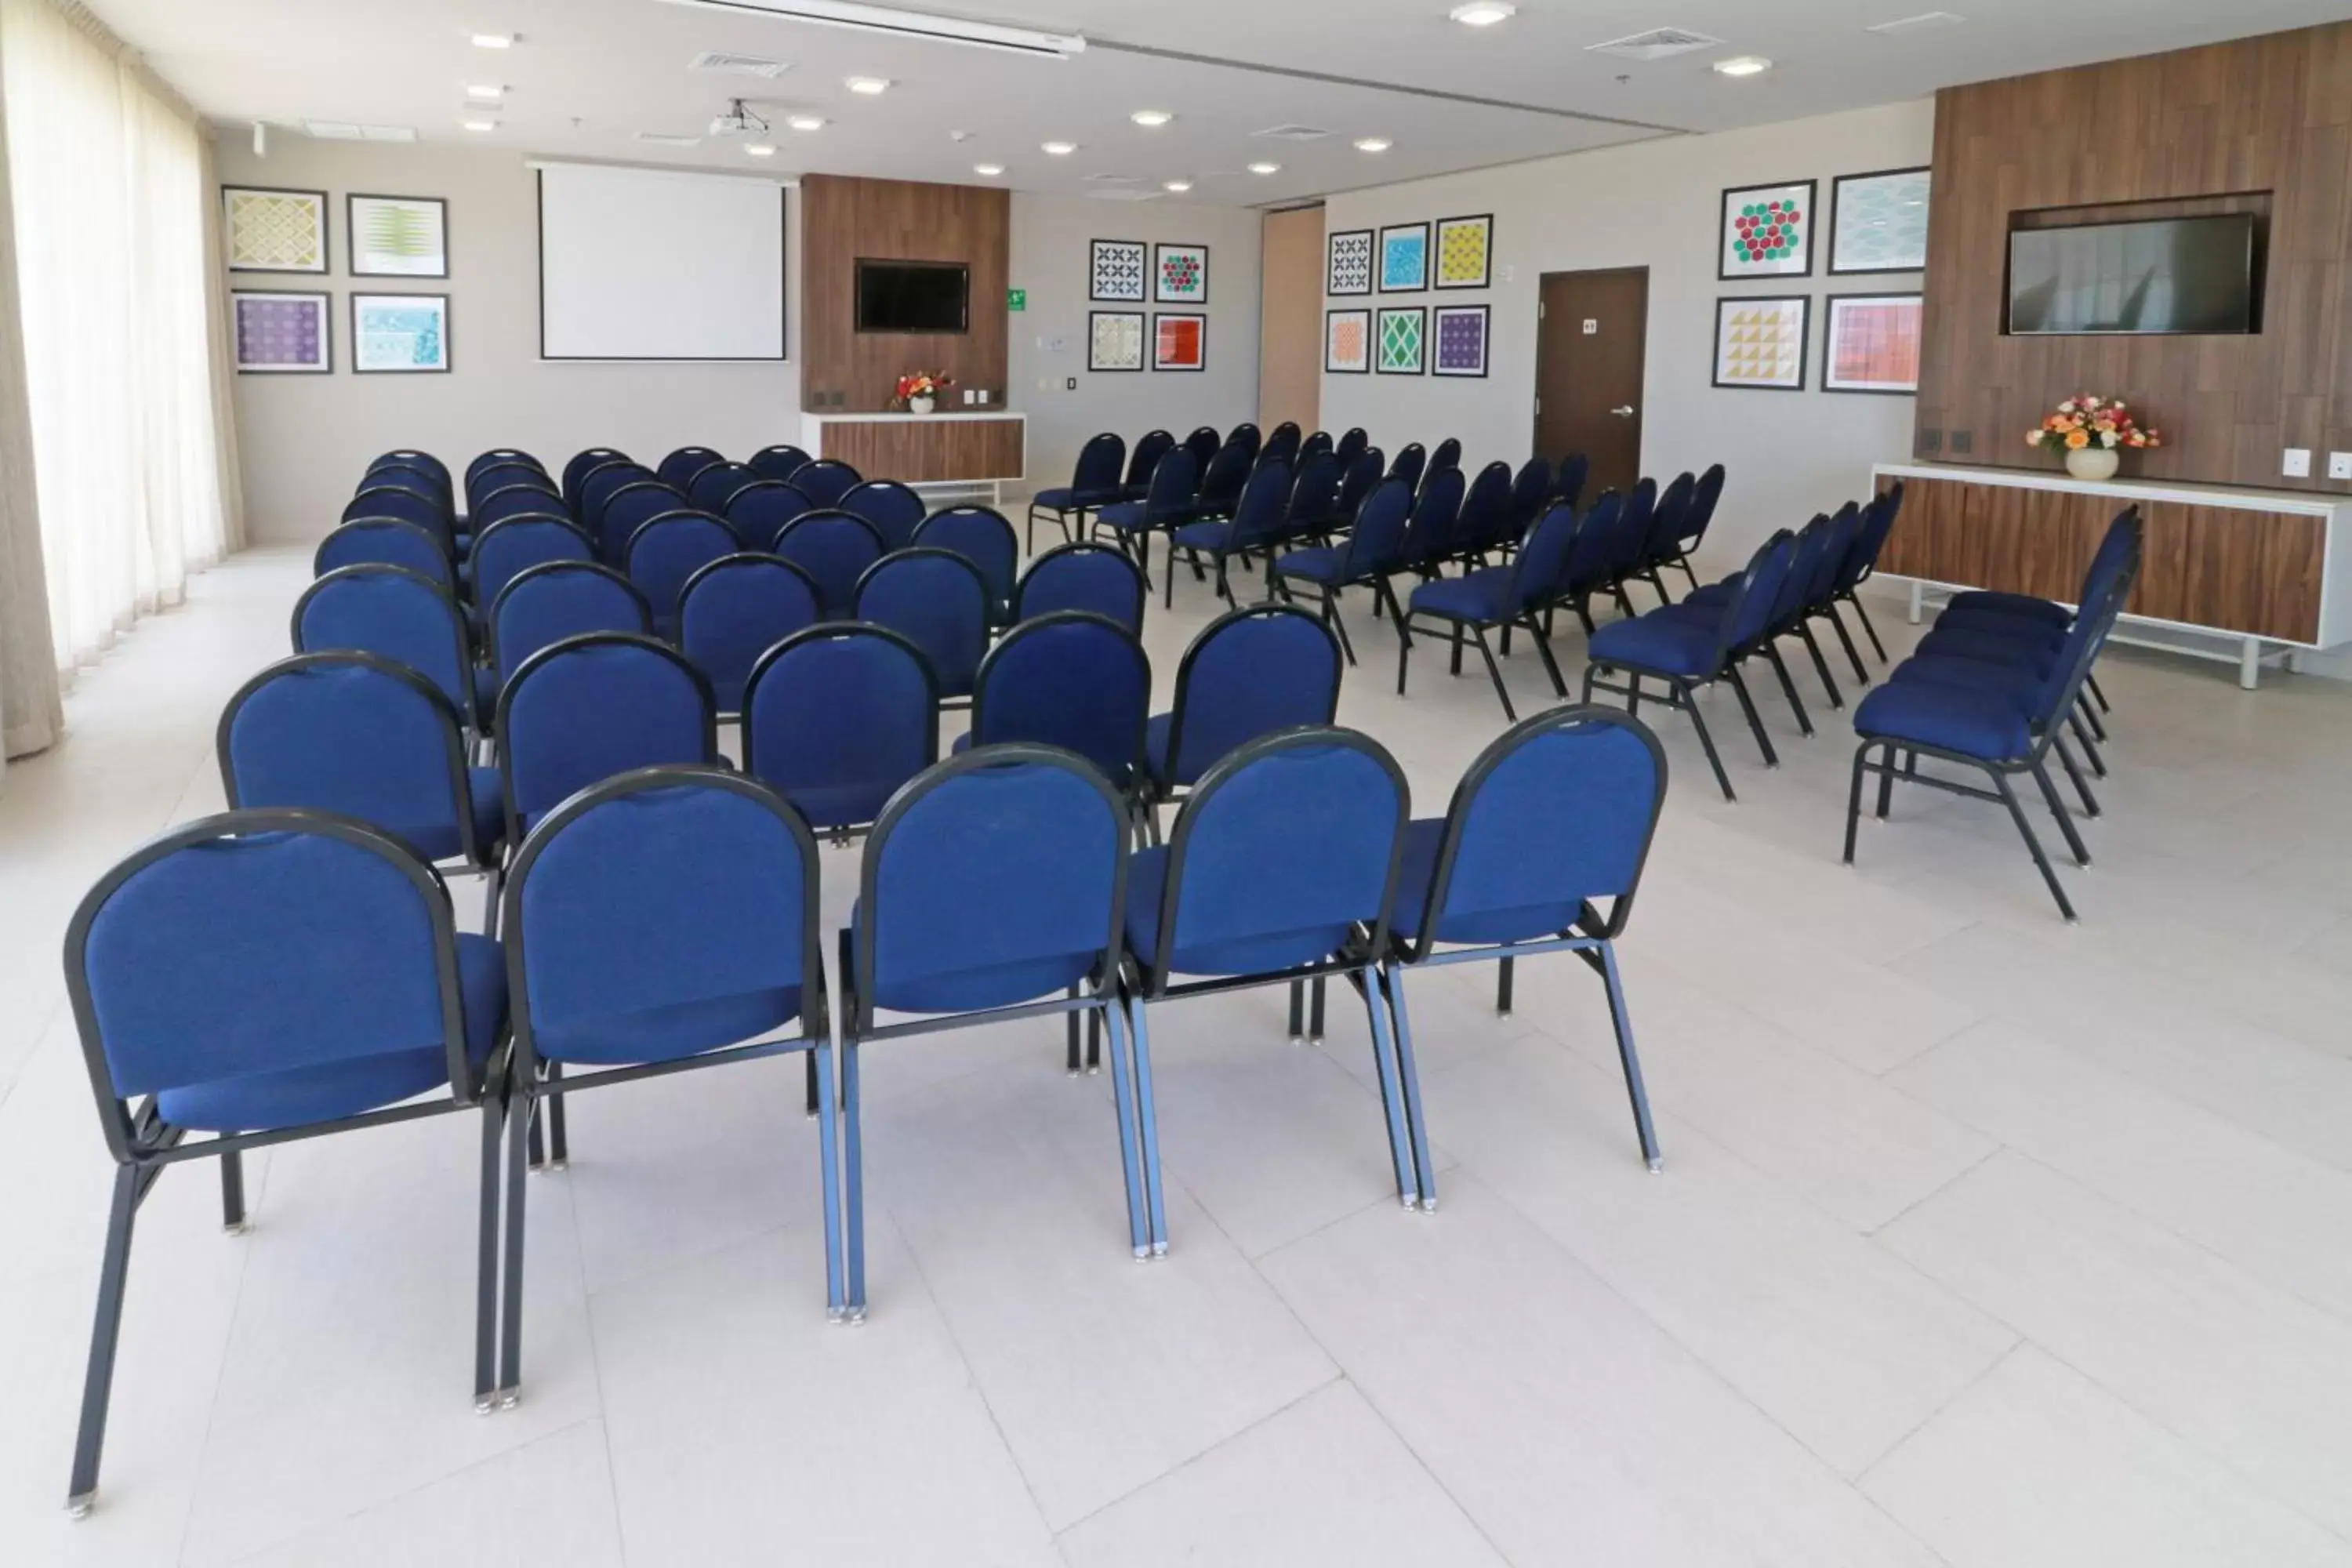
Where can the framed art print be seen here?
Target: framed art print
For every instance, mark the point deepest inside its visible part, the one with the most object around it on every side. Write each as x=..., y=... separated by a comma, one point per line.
x=1465, y=251
x=1768, y=232
x=1179, y=274
x=1114, y=340
x=282, y=334
x=1403, y=341
x=400, y=333
x=1115, y=271
x=1347, y=262
x=1404, y=258
x=1878, y=223
x=1179, y=340
x=1871, y=343
x=1759, y=343
x=1346, y=342
x=397, y=237
x=1460, y=332
x=270, y=230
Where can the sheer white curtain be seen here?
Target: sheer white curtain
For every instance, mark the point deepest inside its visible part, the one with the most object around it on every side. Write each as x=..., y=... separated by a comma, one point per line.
x=113, y=274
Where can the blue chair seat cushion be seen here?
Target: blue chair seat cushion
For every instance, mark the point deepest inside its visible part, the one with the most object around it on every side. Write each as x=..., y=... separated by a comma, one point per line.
x=1973, y=720
x=1147, y=880
x=2003, y=623
x=1533, y=923
x=1204, y=535
x=668, y=1034
x=1128, y=517
x=1482, y=595
x=2022, y=605
x=1662, y=641
x=976, y=990
x=258, y=1102
x=1991, y=647
x=1067, y=498
x=1713, y=595
x=2020, y=684
x=1322, y=564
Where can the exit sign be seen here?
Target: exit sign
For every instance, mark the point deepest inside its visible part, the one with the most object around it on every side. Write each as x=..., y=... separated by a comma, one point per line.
x=1016, y=299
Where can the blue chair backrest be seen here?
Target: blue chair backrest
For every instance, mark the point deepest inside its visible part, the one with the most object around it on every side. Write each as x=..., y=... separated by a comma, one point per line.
x=1071, y=679
x=1320, y=441
x=2124, y=538
x=1749, y=613
x=1264, y=506
x=760, y=511
x=1447, y=455
x=779, y=462
x=686, y=895
x=1286, y=846
x=679, y=468
x=505, y=550
x=980, y=536
x=2106, y=597
x=1821, y=585
x=1569, y=485
x=403, y=505
x=936, y=600
x=1430, y=536
x=1249, y=672
x=1588, y=554
x=1154, y=445
x=1282, y=444
x=585, y=709
x=838, y=718
x=1558, y=810
x=491, y=478
x=1667, y=519
x=1531, y=496
x=1486, y=520
x=1410, y=460
x=834, y=549
x=894, y=510
x=1703, y=496
x=1101, y=462
x=1377, y=544
x=713, y=487
x=998, y=876
x=517, y=500
x=1363, y=474
x=1246, y=435
x=260, y=942
x=1098, y=578
x=542, y=605
x=1796, y=592
x=505, y=458
x=668, y=550
x=1877, y=522
x=395, y=615
x=1315, y=493
x=1222, y=480
x=598, y=487
x=1352, y=445
x=383, y=541
x=1633, y=533
x=734, y=610
x=576, y=471
x=629, y=508
x=1539, y=571
x=402, y=474
x=1204, y=443
x=356, y=735
x=423, y=461
x=827, y=480
x=1169, y=499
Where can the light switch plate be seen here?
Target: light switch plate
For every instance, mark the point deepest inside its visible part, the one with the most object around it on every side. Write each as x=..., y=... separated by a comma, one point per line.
x=2339, y=465
x=2297, y=464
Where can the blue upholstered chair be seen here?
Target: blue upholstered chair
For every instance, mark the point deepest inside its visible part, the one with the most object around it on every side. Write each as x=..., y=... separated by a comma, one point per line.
x=826, y=480
x=1531, y=497
x=404, y=504
x=1153, y=446
x=894, y=510
x=1071, y=679
x=1371, y=554
x=504, y=550
x=1282, y=444
x=1099, y=578
x=1445, y=458
x=1691, y=530
x=1255, y=522
x=1808, y=570
x=498, y=457
x=1484, y=523
x=1094, y=481
x=1667, y=523
x=594, y=705
x=1429, y=535
x=1494, y=598
x=487, y=479
x=1360, y=476
x=544, y=605
x=535, y=499
x=263, y=976
x=834, y=549
x=715, y=485
x=669, y=549
x=1587, y=572
x=936, y=600
x=395, y=615
x=736, y=608
x=837, y=718
x=598, y=487
x=1353, y=443
x=677, y=469
x=1222, y=481
x=982, y=536
x=779, y=462
x=628, y=508
x=1204, y=443
x=1878, y=520
x=1314, y=497
x=1247, y=437
x=1249, y=672
x=1316, y=441
x=385, y=541
x=1166, y=507
x=760, y=511
x=576, y=471
x=1568, y=483
x=425, y=462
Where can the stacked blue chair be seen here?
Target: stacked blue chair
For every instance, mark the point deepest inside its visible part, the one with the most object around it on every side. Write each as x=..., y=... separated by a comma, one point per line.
x=628, y=508
x=1358, y=478
x=1084, y=575
x=894, y=510
x=1630, y=541
x=1568, y=484
x=1153, y=446
x=1371, y=554
x=1255, y=523
x=1204, y=443
x=1587, y=571
x=1166, y=507
x=1246, y=436
x=542, y=606
x=505, y=550
x=1484, y=523
x=779, y=462
x=1429, y=536
x=826, y=480
x=514, y=501
x=1096, y=481
x=982, y=536
x=1411, y=460
x=397, y=615
x=1353, y=443
x=1665, y=530
x=1251, y=671
x=1072, y=679
x=677, y=469
x=1531, y=497
x=1691, y=530
x=1810, y=565
x=599, y=487
x=592, y=707
x=573, y=482
x=834, y=549
x=735, y=609
x=761, y=511
x=1282, y=445
x=1222, y=481
x=937, y=601
x=837, y=718
x=1878, y=521
x=1494, y=598
x=1313, y=499
x=1320, y=441
x=666, y=550
x=713, y=487
x=385, y=541
x=1445, y=458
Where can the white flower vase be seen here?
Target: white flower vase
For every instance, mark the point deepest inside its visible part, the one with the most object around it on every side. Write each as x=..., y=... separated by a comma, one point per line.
x=924, y=405
x=2093, y=463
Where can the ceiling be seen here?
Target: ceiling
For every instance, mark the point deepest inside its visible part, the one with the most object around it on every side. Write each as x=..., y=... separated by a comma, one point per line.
x=586, y=76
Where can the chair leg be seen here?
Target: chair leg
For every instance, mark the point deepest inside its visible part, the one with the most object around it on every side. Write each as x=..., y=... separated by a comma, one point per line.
x=534, y=1136
x=2033, y=842
x=1331, y=618
x=510, y=1390
x=1543, y=651
x=559, y=1147
x=1633, y=695
x=1147, y=1126
x=1689, y=697
x=1072, y=1018
x=1094, y=1041
x=1384, y=1065
x=1754, y=721
x=1821, y=665
x=1298, y=1010
x=1494, y=671
x=1684, y=562
x=1455, y=668
x=2058, y=809
x=842, y=1176
x=1886, y=780
x=1385, y=593
x=1869, y=630
x=486, y=1255
x=1621, y=1020
x=1854, y=799
x=1408, y=1079
x=1789, y=688
x=2092, y=682
x=808, y=1099
x=1853, y=654
x=1139, y=1225
x=1169, y=572
x=1503, y=988
x=2090, y=747
x=2090, y=713
x=98, y=1380
x=1404, y=654
x=1314, y=1008
x=232, y=1178
x=2082, y=785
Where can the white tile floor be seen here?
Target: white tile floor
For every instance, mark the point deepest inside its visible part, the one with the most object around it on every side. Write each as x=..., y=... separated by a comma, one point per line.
x=1982, y=1240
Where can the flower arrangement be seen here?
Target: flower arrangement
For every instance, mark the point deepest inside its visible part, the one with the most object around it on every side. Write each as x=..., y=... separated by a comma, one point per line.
x=921, y=387
x=2090, y=421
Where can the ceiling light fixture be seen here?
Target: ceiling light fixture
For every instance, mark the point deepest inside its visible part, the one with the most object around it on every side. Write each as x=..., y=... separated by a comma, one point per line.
x=1151, y=118
x=1373, y=144
x=1179, y=186
x=905, y=24
x=871, y=86
x=805, y=121
x=1483, y=13
x=494, y=40
x=1059, y=149
x=1263, y=168
x=482, y=125
x=759, y=149
x=991, y=169
x=1743, y=65
x=486, y=92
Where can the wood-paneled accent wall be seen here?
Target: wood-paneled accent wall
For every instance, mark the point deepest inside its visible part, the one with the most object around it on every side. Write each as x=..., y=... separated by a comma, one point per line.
x=1290, y=320
x=843, y=219
x=2269, y=114
x=2222, y=567
x=928, y=451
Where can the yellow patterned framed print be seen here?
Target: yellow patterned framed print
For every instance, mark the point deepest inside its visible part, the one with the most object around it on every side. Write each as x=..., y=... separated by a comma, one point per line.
x=1466, y=252
x=270, y=230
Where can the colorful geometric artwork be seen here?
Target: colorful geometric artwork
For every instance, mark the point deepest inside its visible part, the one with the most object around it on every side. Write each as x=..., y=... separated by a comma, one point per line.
x=1880, y=223
x=1181, y=274
x=1768, y=232
x=1465, y=247
x=1871, y=343
x=399, y=237
x=1115, y=340
x=1347, y=262
x=1460, y=332
x=1347, y=342
x=404, y=332
x=282, y=333
x=1404, y=258
x=275, y=231
x=1404, y=341
x=1760, y=343
x=1179, y=341
x=1117, y=269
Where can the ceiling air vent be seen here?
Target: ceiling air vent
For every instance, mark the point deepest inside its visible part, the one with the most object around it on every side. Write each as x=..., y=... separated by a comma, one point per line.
x=1122, y=193
x=1658, y=43
x=725, y=64
x=1293, y=133
x=1118, y=179
x=667, y=138
x=1925, y=22
x=345, y=131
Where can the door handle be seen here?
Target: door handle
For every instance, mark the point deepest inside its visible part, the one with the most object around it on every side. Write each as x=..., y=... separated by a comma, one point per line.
x=1624, y=413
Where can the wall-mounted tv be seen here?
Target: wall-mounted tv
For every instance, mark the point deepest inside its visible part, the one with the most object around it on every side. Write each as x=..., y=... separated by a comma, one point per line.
x=914, y=297
x=2168, y=275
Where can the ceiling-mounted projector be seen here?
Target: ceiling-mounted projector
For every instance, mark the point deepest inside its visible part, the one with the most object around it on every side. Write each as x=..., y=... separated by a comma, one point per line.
x=738, y=120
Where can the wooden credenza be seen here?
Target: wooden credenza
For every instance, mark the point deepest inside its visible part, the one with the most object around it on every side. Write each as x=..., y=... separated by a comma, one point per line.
x=941, y=448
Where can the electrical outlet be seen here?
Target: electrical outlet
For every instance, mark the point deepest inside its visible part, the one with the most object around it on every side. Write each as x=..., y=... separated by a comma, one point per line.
x=1071, y=384
x=983, y=395
x=1961, y=441
x=2339, y=465
x=2298, y=463
x=1044, y=383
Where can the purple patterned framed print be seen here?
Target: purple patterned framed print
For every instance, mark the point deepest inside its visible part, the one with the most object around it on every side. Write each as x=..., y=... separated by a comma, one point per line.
x=1179, y=274
x=282, y=333
x=1460, y=333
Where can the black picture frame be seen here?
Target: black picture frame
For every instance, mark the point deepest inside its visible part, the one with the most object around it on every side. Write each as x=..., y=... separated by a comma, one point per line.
x=1199, y=316
x=1144, y=340
x=351, y=232
x=1372, y=262
x=1437, y=244
x=1370, y=348
x=448, y=337
x=326, y=331
x=1804, y=341
x=1142, y=296
x=1723, y=273
x=1200, y=299
x=1486, y=313
x=1380, y=259
x=1828, y=347
x=326, y=230
x=1379, y=359
x=1837, y=194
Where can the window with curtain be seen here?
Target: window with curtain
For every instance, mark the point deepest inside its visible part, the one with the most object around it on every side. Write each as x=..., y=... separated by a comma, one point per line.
x=108, y=196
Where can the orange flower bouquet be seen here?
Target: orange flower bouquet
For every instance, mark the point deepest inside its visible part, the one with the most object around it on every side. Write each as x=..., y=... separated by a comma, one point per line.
x=2092, y=421
x=916, y=391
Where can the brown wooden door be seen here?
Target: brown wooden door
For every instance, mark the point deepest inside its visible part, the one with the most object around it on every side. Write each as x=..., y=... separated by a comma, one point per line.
x=1591, y=339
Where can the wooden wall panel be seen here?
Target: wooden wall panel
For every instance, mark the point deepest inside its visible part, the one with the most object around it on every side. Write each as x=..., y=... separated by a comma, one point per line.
x=919, y=452
x=843, y=219
x=1290, y=320
x=2261, y=124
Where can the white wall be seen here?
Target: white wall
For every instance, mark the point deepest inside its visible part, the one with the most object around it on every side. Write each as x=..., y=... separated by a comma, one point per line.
x=305, y=439
x=1051, y=253
x=1788, y=455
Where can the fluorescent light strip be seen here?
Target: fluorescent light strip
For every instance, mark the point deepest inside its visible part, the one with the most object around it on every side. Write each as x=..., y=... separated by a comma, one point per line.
x=905, y=25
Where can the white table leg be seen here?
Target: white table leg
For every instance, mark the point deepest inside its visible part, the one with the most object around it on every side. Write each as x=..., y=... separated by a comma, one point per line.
x=1918, y=597
x=2249, y=663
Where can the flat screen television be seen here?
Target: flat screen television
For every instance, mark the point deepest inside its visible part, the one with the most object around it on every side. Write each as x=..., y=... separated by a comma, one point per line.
x=914, y=297
x=2168, y=275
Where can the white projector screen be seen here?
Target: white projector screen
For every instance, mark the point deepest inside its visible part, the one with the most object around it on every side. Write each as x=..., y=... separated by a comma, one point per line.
x=654, y=264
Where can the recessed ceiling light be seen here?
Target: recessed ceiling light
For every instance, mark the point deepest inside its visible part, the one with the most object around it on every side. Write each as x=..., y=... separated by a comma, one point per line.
x=1483, y=13
x=1151, y=118
x=991, y=169
x=1059, y=149
x=1266, y=168
x=1744, y=65
x=494, y=40
x=1179, y=186
x=486, y=92
x=805, y=121
x=869, y=85
x=759, y=149
x=482, y=125
x=1373, y=144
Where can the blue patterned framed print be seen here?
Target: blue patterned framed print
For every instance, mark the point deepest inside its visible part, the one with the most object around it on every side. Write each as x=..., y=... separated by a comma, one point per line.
x=400, y=333
x=1404, y=258
x=1878, y=222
